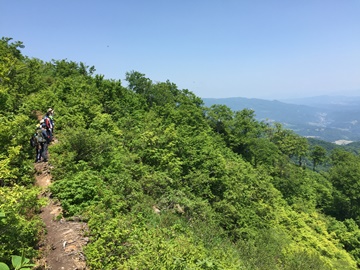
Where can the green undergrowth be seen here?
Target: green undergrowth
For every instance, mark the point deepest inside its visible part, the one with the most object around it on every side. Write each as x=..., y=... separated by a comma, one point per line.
x=21, y=225
x=166, y=183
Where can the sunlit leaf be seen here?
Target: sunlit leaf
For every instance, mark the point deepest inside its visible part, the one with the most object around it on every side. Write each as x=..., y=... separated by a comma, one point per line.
x=3, y=266
x=16, y=261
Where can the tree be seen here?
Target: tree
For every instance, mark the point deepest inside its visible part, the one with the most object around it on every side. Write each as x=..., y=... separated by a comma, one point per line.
x=289, y=143
x=263, y=152
x=318, y=155
x=243, y=129
x=138, y=82
x=219, y=117
x=345, y=177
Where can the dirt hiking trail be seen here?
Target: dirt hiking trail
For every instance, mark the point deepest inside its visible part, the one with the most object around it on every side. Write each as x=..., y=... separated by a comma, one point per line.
x=62, y=243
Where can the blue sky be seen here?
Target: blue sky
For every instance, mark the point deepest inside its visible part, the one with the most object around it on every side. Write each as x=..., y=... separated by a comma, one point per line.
x=269, y=49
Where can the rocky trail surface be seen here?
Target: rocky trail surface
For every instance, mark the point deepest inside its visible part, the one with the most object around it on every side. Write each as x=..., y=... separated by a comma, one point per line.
x=62, y=245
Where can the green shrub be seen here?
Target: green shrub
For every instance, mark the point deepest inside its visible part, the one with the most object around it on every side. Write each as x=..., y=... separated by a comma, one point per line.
x=78, y=191
x=21, y=226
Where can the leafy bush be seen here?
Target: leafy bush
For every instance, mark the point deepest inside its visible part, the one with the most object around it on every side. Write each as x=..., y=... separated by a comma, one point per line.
x=21, y=226
x=78, y=191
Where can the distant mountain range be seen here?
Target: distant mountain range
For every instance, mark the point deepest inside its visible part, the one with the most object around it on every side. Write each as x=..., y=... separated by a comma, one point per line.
x=329, y=118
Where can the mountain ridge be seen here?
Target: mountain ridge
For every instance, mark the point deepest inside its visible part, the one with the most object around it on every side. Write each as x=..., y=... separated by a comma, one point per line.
x=324, y=117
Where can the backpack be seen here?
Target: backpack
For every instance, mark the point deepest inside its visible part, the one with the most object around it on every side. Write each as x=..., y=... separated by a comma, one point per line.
x=47, y=122
x=33, y=140
x=39, y=137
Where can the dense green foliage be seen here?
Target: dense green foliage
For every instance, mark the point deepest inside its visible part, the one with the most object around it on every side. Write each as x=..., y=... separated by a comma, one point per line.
x=20, y=224
x=166, y=183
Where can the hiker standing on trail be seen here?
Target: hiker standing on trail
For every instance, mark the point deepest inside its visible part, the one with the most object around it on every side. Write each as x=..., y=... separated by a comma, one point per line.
x=44, y=145
x=47, y=120
x=40, y=142
x=37, y=139
x=51, y=117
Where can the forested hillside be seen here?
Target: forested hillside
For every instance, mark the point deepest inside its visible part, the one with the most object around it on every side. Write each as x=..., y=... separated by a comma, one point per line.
x=165, y=182
x=328, y=121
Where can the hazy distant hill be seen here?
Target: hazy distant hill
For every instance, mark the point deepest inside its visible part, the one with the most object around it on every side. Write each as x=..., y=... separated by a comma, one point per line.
x=334, y=103
x=324, y=117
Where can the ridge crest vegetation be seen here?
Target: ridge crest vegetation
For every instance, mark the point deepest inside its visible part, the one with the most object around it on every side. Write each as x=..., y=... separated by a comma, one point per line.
x=167, y=183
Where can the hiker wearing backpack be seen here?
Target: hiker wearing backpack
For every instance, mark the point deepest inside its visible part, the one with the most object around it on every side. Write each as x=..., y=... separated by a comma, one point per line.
x=40, y=143
x=45, y=138
x=35, y=142
x=48, y=121
x=51, y=117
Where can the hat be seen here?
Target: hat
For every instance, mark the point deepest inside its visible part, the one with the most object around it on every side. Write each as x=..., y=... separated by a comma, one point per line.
x=42, y=121
x=49, y=110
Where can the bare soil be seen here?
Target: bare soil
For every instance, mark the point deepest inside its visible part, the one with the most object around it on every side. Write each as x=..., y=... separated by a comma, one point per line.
x=63, y=240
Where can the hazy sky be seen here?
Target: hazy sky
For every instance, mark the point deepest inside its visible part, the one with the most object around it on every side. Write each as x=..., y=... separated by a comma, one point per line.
x=256, y=48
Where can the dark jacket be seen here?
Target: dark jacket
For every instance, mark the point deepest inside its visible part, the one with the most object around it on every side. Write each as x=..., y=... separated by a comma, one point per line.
x=47, y=135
